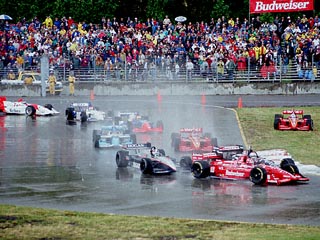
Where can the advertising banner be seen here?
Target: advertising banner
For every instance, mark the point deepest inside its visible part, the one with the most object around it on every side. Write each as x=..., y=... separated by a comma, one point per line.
x=264, y=6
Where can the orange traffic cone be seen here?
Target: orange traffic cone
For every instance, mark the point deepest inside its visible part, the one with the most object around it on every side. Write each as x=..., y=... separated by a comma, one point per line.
x=240, y=102
x=159, y=97
x=92, y=95
x=203, y=99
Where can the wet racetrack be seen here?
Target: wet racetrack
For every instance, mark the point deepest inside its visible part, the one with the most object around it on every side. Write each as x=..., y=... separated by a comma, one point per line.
x=46, y=163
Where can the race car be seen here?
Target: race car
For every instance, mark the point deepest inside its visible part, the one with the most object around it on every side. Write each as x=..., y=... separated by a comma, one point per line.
x=84, y=112
x=112, y=136
x=293, y=120
x=138, y=123
x=222, y=152
x=21, y=107
x=147, y=158
x=247, y=166
x=193, y=139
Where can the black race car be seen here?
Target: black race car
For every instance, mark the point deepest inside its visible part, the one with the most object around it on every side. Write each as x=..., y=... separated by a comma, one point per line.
x=147, y=158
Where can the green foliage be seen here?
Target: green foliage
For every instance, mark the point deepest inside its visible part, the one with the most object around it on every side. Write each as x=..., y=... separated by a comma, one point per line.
x=155, y=8
x=266, y=17
x=36, y=223
x=220, y=9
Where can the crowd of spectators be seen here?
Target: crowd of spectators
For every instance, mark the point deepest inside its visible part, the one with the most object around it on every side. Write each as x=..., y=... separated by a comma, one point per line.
x=218, y=47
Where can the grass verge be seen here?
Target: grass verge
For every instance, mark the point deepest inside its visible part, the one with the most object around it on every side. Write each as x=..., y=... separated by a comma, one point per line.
x=35, y=223
x=257, y=125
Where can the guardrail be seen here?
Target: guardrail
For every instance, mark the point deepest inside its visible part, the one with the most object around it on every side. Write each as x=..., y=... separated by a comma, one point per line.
x=128, y=73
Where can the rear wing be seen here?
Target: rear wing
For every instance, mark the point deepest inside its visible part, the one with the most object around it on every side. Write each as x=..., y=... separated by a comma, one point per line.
x=203, y=156
x=299, y=112
x=230, y=148
x=190, y=130
x=138, y=145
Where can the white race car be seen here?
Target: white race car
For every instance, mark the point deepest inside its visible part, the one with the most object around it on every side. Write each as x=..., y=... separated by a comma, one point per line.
x=21, y=107
x=84, y=112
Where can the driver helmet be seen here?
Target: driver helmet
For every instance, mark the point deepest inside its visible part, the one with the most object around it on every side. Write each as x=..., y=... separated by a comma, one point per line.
x=153, y=151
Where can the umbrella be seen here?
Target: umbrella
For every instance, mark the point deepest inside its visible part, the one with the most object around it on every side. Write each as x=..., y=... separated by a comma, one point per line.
x=180, y=19
x=5, y=17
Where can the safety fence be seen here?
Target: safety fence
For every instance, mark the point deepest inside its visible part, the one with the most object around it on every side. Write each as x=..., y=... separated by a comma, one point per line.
x=169, y=73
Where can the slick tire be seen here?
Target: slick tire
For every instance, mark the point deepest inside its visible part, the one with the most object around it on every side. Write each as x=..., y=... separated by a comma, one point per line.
x=121, y=158
x=146, y=166
x=200, y=169
x=288, y=165
x=258, y=175
x=186, y=162
x=30, y=111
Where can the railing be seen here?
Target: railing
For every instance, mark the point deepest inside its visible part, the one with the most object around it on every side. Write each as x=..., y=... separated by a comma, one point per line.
x=289, y=73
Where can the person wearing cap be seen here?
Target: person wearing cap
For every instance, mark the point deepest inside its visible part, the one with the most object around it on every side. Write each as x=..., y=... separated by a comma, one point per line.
x=52, y=82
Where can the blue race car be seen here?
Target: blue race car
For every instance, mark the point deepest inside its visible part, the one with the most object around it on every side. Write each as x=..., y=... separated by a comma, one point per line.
x=113, y=136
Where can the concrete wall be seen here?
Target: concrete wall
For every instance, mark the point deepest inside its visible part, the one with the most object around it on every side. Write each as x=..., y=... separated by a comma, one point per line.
x=120, y=88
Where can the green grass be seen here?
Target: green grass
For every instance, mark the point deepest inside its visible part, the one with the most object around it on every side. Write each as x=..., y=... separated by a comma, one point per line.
x=36, y=223
x=257, y=125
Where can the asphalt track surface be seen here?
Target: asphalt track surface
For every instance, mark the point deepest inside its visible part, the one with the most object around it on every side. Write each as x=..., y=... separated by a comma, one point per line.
x=46, y=163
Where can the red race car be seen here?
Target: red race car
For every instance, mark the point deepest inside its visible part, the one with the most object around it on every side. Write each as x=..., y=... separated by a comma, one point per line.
x=192, y=139
x=222, y=152
x=294, y=120
x=138, y=123
x=246, y=166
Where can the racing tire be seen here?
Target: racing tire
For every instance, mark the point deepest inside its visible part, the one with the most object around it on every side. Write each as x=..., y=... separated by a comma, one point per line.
x=214, y=142
x=70, y=113
x=117, y=120
x=174, y=136
x=146, y=166
x=200, y=169
x=94, y=135
x=310, y=124
x=133, y=138
x=162, y=152
x=159, y=124
x=48, y=106
x=30, y=111
x=276, y=121
x=208, y=135
x=288, y=165
x=186, y=162
x=97, y=144
x=121, y=158
x=176, y=144
x=258, y=175
x=83, y=116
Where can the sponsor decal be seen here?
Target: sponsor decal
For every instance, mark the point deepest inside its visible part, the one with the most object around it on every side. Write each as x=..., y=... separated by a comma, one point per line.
x=264, y=6
x=191, y=130
x=236, y=174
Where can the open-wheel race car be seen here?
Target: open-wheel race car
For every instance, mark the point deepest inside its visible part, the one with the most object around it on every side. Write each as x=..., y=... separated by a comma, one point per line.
x=138, y=123
x=112, y=136
x=222, y=152
x=193, y=140
x=84, y=112
x=21, y=107
x=293, y=120
x=246, y=166
x=147, y=158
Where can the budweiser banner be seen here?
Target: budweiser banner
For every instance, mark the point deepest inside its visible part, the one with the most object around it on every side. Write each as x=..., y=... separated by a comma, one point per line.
x=264, y=6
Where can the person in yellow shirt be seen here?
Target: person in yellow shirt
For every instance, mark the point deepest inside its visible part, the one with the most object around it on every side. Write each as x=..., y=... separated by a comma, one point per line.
x=52, y=83
x=11, y=75
x=71, y=80
x=48, y=22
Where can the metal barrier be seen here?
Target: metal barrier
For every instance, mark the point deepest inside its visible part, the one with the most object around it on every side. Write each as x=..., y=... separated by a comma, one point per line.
x=163, y=73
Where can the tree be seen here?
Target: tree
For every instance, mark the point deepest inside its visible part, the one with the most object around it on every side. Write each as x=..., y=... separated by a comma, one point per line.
x=220, y=9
